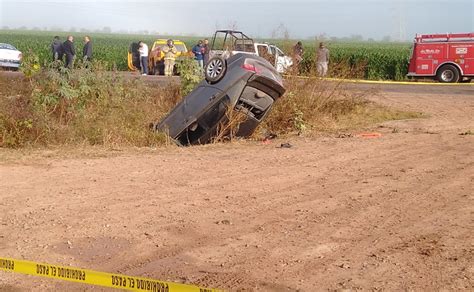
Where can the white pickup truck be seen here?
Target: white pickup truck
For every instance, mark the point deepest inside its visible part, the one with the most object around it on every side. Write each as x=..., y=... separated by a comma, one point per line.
x=230, y=42
x=274, y=55
x=270, y=52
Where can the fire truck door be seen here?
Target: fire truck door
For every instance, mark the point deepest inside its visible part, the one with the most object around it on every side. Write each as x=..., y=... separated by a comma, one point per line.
x=463, y=54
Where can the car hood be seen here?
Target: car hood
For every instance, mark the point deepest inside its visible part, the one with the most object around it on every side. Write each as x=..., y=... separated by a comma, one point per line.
x=10, y=54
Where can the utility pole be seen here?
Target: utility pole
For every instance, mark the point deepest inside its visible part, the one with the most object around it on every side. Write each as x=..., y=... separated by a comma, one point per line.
x=399, y=21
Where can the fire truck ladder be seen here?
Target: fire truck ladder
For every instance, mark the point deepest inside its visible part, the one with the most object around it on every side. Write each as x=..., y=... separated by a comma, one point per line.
x=448, y=37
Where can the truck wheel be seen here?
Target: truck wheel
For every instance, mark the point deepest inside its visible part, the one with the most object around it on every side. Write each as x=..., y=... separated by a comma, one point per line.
x=448, y=74
x=215, y=69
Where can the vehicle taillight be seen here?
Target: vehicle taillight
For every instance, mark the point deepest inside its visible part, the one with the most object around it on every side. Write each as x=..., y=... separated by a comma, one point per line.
x=250, y=67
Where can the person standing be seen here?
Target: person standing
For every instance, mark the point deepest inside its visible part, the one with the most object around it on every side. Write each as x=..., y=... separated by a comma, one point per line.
x=87, y=50
x=170, y=52
x=298, y=52
x=322, y=60
x=206, y=51
x=57, y=49
x=69, y=51
x=143, y=50
x=198, y=54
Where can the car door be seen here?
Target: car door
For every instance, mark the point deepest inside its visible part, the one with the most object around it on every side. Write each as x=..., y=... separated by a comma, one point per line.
x=281, y=62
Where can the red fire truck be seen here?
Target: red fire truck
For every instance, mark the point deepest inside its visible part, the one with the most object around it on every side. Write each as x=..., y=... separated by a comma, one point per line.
x=445, y=57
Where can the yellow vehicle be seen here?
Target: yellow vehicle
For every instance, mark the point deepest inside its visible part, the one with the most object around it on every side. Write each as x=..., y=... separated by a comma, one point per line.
x=133, y=57
x=155, y=56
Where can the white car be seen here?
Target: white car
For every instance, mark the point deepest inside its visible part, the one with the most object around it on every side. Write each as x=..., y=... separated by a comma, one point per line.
x=227, y=43
x=282, y=61
x=10, y=57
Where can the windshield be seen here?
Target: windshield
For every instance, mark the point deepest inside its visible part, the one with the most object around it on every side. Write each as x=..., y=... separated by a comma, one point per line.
x=7, y=47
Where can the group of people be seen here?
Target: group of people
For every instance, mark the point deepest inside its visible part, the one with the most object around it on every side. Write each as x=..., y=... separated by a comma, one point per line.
x=322, y=58
x=66, y=52
x=170, y=51
x=200, y=51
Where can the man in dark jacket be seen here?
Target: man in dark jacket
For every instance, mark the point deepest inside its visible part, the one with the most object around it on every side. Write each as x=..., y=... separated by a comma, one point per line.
x=57, y=49
x=69, y=51
x=87, y=50
x=198, y=54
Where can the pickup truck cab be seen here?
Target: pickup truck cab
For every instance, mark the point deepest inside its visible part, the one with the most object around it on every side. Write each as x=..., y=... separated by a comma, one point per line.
x=274, y=55
x=227, y=43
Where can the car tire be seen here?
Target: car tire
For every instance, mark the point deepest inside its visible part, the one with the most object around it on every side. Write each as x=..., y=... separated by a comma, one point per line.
x=215, y=69
x=448, y=74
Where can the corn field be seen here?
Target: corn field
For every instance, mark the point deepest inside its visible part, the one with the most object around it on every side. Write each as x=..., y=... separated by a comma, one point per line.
x=374, y=61
x=369, y=60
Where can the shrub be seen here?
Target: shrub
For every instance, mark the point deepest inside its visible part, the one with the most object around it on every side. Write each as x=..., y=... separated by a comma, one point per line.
x=84, y=106
x=316, y=105
x=190, y=74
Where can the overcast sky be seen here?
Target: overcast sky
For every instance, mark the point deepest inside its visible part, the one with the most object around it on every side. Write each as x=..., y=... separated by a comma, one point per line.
x=259, y=18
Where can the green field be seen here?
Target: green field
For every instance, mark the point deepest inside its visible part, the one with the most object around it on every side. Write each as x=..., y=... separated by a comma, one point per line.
x=367, y=60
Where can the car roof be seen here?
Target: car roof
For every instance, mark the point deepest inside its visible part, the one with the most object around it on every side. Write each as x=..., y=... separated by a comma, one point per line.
x=234, y=33
x=265, y=43
x=229, y=31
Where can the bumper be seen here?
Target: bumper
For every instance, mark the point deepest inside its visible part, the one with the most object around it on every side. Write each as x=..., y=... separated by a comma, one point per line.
x=412, y=74
x=267, y=85
x=9, y=64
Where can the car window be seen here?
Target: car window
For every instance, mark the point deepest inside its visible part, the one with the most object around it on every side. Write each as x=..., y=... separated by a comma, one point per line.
x=262, y=50
x=7, y=47
x=272, y=49
x=181, y=48
x=244, y=45
x=279, y=52
x=222, y=41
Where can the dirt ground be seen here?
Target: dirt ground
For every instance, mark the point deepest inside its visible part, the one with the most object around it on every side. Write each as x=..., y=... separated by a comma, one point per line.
x=348, y=213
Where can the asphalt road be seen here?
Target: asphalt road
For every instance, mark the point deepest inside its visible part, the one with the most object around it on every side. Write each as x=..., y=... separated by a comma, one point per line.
x=429, y=88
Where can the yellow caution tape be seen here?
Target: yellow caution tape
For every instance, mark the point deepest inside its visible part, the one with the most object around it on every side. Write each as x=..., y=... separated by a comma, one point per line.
x=382, y=81
x=95, y=278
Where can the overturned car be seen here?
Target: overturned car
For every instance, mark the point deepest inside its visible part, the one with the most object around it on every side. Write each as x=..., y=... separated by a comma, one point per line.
x=243, y=83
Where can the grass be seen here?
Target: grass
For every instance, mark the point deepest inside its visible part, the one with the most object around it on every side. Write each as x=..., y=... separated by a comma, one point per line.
x=316, y=105
x=56, y=107
x=81, y=107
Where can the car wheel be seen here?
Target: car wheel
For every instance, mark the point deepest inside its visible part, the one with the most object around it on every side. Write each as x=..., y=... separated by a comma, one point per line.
x=448, y=74
x=215, y=69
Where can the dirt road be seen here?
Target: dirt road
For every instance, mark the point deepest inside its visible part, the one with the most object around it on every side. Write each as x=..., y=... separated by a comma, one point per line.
x=391, y=213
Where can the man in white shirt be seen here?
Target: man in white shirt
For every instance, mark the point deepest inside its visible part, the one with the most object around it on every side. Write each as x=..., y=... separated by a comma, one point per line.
x=143, y=50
